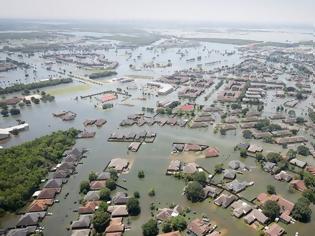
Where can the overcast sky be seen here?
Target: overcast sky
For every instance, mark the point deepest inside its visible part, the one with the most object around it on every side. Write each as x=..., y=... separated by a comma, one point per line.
x=246, y=11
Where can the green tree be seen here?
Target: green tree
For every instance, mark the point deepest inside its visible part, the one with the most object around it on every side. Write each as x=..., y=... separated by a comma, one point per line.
x=179, y=223
x=271, y=209
x=141, y=174
x=271, y=189
x=291, y=154
x=103, y=206
x=167, y=227
x=92, y=176
x=84, y=186
x=150, y=228
x=200, y=177
x=110, y=184
x=309, y=181
x=218, y=168
x=151, y=192
x=113, y=174
x=310, y=195
x=303, y=150
x=247, y=134
x=136, y=194
x=133, y=206
x=243, y=152
x=273, y=157
x=194, y=191
x=301, y=210
x=100, y=221
x=105, y=194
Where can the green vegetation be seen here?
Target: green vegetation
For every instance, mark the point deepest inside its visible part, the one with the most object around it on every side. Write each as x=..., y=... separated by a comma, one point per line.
x=113, y=174
x=35, y=85
x=150, y=228
x=243, y=152
x=268, y=139
x=274, y=157
x=102, y=74
x=92, y=176
x=200, y=177
x=310, y=195
x=311, y=115
x=110, y=184
x=247, y=134
x=302, y=211
x=303, y=150
x=101, y=220
x=136, y=194
x=141, y=174
x=218, y=168
x=105, y=194
x=271, y=189
x=265, y=125
x=194, y=191
x=133, y=207
x=178, y=223
x=22, y=167
x=167, y=227
x=271, y=209
x=152, y=192
x=84, y=186
x=309, y=180
x=291, y=154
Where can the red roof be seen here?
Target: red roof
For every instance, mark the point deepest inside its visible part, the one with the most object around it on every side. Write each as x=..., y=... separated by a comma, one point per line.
x=187, y=107
x=108, y=97
x=212, y=152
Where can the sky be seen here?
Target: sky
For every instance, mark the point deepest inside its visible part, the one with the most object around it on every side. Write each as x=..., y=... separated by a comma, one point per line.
x=241, y=11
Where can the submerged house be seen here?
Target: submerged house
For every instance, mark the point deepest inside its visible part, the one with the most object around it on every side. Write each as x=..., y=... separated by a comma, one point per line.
x=225, y=200
x=256, y=215
x=198, y=227
x=240, y=208
x=119, y=164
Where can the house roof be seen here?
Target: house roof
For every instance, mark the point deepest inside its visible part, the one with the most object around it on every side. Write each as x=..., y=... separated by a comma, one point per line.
x=84, y=221
x=229, y=174
x=274, y=230
x=174, y=165
x=97, y=184
x=212, y=152
x=256, y=214
x=120, y=198
x=118, y=210
x=236, y=186
x=299, y=185
x=89, y=207
x=119, y=164
x=190, y=168
x=164, y=214
x=29, y=219
x=48, y=193
x=175, y=233
x=254, y=148
x=103, y=176
x=198, y=227
x=225, y=200
x=115, y=226
x=81, y=232
x=92, y=196
x=53, y=183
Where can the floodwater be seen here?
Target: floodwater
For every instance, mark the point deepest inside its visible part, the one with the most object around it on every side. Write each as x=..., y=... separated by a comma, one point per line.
x=152, y=158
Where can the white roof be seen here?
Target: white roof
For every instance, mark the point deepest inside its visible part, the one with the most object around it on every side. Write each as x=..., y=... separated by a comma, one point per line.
x=18, y=127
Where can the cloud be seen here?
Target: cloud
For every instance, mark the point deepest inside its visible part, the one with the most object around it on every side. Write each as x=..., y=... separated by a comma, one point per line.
x=253, y=11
